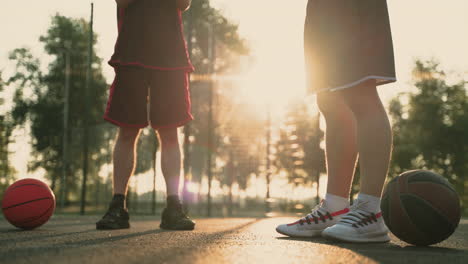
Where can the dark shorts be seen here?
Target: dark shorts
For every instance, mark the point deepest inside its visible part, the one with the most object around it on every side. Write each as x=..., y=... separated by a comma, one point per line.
x=140, y=97
x=347, y=43
x=151, y=35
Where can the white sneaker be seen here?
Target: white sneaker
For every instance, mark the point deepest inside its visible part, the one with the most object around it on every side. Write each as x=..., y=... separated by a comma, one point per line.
x=359, y=226
x=312, y=224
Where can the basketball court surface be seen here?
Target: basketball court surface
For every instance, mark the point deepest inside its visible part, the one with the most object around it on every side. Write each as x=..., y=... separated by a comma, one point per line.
x=74, y=239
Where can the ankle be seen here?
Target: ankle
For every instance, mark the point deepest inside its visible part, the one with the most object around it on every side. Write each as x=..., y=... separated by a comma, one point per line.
x=118, y=201
x=368, y=202
x=335, y=203
x=173, y=201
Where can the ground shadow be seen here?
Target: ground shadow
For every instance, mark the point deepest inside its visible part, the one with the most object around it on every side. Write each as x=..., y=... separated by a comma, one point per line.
x=454, y=250
x=396, y=253
x=14, y=253
x=40, y=235
x=320, y=240
x=60, y=249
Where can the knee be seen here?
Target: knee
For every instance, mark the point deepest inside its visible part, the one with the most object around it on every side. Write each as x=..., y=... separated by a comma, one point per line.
x=326, y=103
x=168, y=136
x=128, y=134
x=363, y=103
x=332, y=107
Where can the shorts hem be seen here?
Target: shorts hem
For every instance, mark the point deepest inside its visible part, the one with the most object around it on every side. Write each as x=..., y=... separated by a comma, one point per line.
x=380, y=81
x=116, y=63
x=120, y=124
x=175, y=125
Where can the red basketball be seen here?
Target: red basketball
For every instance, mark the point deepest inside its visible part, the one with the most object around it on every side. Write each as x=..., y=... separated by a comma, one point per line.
x=28, y=203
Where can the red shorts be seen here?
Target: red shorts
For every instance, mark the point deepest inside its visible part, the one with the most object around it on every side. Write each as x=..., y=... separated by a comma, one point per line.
x=140, y=97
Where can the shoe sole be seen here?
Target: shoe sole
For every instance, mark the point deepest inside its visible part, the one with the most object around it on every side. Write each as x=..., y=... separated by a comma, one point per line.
x=377, y=239
x=114, y=227
x=315, y=234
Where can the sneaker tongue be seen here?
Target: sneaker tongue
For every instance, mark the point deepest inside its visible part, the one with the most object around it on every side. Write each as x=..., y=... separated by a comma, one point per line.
x=317, y=209
x=325, y=207
x=354, y=216
x=362, y=206
x=324, y=204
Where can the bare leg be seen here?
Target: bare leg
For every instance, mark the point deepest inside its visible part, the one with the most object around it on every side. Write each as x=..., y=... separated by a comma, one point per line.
x=340, y=143
x=341, y=155
x=170, y=159
x=173, y=217
x=124, y=158
x=116, y=216
x=374, y=141
x=374, y=136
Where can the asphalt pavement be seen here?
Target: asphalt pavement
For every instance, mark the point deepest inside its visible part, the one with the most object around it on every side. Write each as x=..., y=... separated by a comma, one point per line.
x=74, y=239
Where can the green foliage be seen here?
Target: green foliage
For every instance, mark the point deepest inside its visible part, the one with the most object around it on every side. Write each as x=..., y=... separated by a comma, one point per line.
x=7, y=172
x=229, y=45
x=298, y=148
x=198, y=22
x=39, y=99
x=430, y=130
x=241, y=146
x=238, y=136
x=148, y=144
x=199, y=130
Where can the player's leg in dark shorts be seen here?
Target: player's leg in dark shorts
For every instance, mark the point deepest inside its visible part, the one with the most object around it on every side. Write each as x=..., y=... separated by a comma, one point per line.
x=167, y=91
x=169, y=99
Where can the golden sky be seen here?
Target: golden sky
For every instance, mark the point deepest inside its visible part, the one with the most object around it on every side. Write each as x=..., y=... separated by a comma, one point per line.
x=421, y=28
x=273, y=28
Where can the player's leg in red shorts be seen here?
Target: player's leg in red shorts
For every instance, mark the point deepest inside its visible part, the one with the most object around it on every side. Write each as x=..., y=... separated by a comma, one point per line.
x=169, y=109
x=126, y=108
x=127, y=104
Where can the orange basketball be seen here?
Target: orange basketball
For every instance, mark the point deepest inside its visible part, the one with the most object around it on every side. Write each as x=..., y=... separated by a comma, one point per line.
x=28, y=203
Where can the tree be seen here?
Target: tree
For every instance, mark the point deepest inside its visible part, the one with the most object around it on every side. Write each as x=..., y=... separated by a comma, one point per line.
x=207, y=20
x=39, y=99
x=215, y=46
x=7, y=172
x=241, y=147
x=430, y=130
x=147, y=144
x=298, y=149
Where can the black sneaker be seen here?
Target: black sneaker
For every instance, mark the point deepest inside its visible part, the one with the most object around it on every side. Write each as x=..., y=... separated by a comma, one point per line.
x=173, y=218
x=115, y=218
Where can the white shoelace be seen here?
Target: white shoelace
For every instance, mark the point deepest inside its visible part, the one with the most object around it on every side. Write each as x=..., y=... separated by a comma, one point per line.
x=317, y=214
x=358, y=217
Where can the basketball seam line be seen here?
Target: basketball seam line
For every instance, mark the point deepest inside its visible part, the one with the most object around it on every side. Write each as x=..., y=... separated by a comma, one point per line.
x=35, y=200
x=403, y=208
x=424, y=171
x=451, y=189
x=31, y=220
x=27, y=184
x=429, y=204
